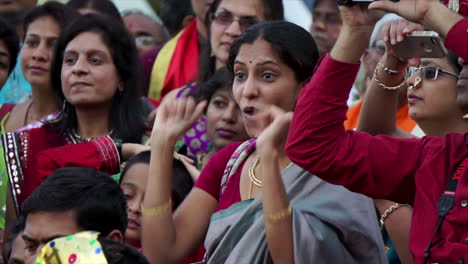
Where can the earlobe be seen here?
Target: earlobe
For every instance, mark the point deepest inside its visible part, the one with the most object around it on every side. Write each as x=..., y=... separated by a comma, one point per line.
x=115, y=235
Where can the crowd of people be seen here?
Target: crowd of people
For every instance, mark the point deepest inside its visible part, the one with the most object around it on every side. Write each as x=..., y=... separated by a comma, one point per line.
x=221, y=133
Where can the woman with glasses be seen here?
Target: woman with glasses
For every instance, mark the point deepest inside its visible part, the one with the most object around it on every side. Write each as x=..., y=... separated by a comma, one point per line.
x=428, y=173
x=431, y=89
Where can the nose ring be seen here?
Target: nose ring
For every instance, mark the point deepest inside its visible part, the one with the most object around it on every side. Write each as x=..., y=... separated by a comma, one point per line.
x=417, y=81
x=410, y=87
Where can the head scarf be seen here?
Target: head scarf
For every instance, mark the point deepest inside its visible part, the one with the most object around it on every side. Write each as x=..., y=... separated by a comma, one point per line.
x=80, y=248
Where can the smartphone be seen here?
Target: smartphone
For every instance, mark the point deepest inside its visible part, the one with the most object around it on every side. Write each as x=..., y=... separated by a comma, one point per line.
x=420, y=44
x=353, y=2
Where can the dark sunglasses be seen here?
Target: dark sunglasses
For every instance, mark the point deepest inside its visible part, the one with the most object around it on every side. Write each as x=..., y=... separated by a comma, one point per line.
x=226, y=19
x=429, y=72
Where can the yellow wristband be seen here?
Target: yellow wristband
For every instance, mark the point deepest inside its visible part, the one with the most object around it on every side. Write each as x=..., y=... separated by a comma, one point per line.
x=278, y=216
x=158, y=210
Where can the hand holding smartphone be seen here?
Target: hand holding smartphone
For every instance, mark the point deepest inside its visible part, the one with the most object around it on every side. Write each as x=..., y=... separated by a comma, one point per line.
x=420, y=44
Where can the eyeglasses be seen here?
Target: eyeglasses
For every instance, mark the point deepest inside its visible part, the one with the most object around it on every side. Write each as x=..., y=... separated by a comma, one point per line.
x=429, y=72
x=226, y=19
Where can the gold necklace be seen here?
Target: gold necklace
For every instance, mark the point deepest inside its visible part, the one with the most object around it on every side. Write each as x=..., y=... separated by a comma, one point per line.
x=252, y=176
x=254, y=179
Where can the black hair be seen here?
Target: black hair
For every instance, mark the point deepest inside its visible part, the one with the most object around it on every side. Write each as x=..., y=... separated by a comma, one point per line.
x=142, y=157
x=61, y=13
x=126, y=117
x=105, y=7
x=273, y=11
x=221, y=79
x=452, y=58
x=293, y=44
x=9, y=37
x=182, y=182
x=120, y=253
x=96, y=198
x=173, y=13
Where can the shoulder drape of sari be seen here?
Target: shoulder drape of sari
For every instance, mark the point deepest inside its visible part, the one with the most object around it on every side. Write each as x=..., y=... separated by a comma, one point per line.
x=20, y=149
x=176, y=63
x=100, y=154
x=31, y=155
x=5, y=110
x=330, y=225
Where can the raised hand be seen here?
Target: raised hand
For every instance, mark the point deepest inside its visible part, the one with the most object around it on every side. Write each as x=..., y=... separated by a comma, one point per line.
x=412, y=10
x=393, y=33
x=358, y=24
x=176, y=116
x=359, y=16
x=431, y=13
x=274, y=136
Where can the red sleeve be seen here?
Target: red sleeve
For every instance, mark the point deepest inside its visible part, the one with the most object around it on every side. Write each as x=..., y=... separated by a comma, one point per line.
x=318, y=142
x=100, y=154
x=457, y=39
x=211, y=175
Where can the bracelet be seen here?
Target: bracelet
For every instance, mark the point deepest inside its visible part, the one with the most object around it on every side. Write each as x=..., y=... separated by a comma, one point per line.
x=158, y=210
x=388, y=70
x=278, y=216
x=389, y=87
x=390, y=210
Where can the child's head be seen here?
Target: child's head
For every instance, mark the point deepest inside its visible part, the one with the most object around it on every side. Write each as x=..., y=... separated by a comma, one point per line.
x=133, y=184
x=88, y=248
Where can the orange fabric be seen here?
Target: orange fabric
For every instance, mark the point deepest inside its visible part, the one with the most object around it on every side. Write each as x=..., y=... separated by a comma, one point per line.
x=352, y=116
x=404, y=121
x=180, y=63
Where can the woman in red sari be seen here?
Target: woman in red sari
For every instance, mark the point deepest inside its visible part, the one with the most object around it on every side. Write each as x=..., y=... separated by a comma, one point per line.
x=94, y=78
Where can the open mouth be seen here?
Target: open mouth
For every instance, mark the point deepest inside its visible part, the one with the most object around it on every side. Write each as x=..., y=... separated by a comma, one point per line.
x=249, y=110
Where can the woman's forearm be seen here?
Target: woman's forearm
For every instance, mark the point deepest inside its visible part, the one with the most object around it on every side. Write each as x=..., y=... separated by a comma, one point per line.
x=398, y=225
x=440, y=18
x=276, y=209
x=379, y=109
x=351, y=43
x=159, y=234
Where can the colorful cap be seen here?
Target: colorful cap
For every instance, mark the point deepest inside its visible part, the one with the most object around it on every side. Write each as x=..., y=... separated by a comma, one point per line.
x=80, y=248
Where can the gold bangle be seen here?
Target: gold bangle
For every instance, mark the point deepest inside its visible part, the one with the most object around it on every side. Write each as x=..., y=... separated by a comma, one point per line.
x=278, y=216
x=157, y=210
x=389, y=87
x=390, y=210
